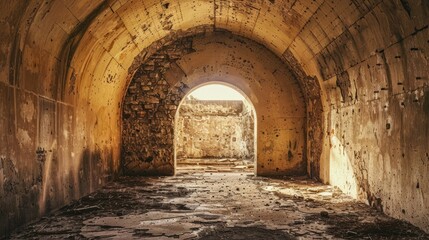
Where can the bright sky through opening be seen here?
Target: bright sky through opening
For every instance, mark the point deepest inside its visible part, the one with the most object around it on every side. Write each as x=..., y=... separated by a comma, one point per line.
x=216, y=92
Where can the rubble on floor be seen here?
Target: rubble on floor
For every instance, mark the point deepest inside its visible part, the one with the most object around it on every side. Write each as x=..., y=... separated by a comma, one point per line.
x=218, y=206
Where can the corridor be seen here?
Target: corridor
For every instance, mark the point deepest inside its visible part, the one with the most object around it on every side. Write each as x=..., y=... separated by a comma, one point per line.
x=96, y=98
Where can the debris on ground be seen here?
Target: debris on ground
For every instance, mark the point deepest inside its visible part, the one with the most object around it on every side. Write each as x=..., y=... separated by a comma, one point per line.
x=218, y=206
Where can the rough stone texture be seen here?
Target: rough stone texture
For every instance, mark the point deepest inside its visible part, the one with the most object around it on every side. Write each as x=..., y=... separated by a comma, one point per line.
x=219, y=206
x=149, y=111
x=41, y=165
x=51, y=151
x=177, y=67
x=382, y=127
x=377, y=115
x=77, y=53
x=315, y=122
x=215, y=129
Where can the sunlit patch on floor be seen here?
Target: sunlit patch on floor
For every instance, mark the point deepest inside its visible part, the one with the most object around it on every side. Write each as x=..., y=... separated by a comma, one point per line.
x=218, y=206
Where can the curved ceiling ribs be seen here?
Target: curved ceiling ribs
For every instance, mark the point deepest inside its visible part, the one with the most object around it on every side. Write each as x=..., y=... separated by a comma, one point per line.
x=315, y=32
x=70, y=62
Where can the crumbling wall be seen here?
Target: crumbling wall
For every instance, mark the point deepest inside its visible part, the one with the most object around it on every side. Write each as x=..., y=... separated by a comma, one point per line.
x=315, y=136
x=214, y=129
x=376, y=81
x=49, y=155
x=167, y=74
x=148, y=113
x=368, y=56
x=248, y=127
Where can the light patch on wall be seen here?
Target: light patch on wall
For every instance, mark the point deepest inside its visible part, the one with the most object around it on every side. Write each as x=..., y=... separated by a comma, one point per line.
x=28, y=110
x=216, y=92
x=24, y=139
x=340, y=169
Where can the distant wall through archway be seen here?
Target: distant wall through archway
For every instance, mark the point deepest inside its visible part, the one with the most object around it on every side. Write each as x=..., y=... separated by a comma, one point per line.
x=215, y=130
x=161, y=82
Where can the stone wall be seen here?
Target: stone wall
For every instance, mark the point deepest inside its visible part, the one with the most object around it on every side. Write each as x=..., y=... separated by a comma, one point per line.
x=369, y=57
x=176, y=67
x=57, y=144
x=315, y=137
x=149, y=110
x=378, y=121
x=214, y=129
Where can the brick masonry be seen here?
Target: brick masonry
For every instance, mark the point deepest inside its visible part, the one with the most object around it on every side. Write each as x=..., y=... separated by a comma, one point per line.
x=149, y=110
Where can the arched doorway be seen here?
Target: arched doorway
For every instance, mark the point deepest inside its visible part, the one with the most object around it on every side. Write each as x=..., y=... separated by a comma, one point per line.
x=215, y=130
x=165, y=78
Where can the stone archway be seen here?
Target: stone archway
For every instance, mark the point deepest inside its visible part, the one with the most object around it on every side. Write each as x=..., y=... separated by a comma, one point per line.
x=165, y=77
x=219, y=132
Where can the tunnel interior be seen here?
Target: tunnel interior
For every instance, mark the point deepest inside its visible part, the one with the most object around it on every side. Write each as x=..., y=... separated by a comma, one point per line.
x=166, y=77
x=90, y=89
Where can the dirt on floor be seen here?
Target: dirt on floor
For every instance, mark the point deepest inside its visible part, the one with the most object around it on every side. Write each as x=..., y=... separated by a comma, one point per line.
x=218, y=206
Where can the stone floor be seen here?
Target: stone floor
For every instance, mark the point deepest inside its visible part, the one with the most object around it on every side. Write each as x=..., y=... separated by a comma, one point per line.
x=215, y=165
x=218, y=206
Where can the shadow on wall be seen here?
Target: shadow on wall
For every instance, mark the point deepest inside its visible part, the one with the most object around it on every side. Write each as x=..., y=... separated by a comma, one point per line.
x=315, y=136
x=50, y=185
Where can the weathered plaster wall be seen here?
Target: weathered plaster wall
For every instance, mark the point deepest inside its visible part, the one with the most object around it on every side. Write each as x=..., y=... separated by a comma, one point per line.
x=379, y=127
x=316, y=139
x=214, y=56
x=48, y=156
x=52, y=150
x=214, y=129
x=77, y=53
x=375, y=80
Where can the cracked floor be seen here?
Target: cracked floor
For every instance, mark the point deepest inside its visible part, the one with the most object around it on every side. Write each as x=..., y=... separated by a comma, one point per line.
x=218, y=206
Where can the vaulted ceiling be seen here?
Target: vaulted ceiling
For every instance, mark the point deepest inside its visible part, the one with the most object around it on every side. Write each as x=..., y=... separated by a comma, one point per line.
x=100, y=39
